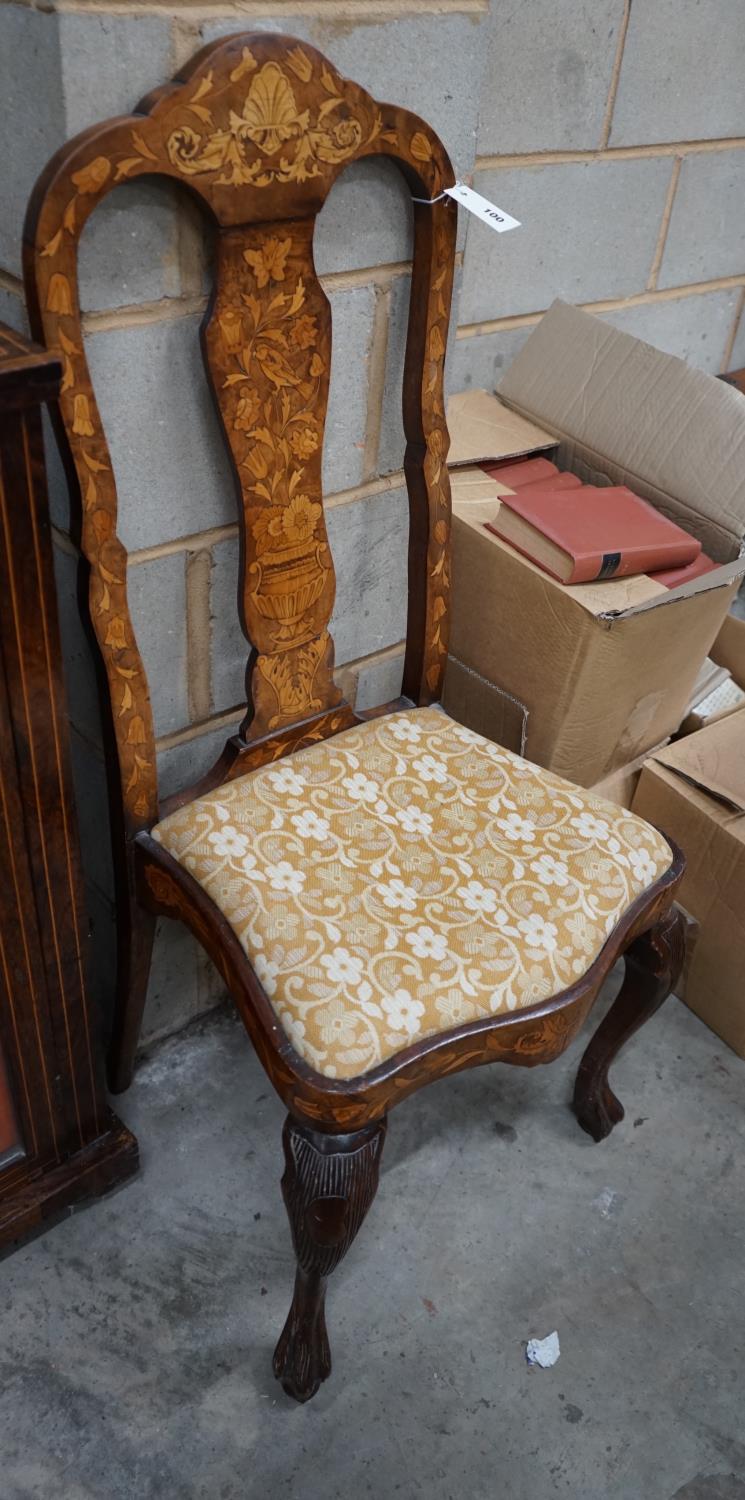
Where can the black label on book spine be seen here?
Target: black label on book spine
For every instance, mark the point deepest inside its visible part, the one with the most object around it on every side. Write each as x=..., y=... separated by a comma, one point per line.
x=611, y=564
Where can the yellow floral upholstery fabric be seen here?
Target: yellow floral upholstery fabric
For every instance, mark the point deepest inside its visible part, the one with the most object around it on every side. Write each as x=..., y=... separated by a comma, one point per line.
x=407, y=876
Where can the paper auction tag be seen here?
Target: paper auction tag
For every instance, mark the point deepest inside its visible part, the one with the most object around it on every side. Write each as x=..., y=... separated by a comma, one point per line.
x=482, y=208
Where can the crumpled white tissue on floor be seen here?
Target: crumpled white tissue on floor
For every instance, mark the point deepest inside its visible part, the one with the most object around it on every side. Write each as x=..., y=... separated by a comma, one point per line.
x=543, y=1352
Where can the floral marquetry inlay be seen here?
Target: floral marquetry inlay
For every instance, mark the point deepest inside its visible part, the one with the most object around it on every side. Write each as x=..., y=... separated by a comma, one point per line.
x=258, y=127
x=268, y=345
x=271, y=121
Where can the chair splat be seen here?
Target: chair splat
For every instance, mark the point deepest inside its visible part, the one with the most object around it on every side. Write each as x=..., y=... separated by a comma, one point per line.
x=267, y=347
x=257, y=127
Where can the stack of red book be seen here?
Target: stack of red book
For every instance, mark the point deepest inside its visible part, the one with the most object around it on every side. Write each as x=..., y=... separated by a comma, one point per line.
x=580, y=533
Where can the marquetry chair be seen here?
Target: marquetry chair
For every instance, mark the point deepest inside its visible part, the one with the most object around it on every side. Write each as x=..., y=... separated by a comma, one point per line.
x=388, y=897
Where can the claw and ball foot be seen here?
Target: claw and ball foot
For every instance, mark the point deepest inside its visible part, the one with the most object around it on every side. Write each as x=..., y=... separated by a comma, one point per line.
x=653, y=964
x=328, y=1185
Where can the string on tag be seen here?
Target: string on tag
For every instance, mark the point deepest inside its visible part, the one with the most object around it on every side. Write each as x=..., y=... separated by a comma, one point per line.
x=488, y=212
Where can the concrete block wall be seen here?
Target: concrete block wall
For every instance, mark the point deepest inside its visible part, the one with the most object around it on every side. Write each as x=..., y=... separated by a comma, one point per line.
x=614, y=134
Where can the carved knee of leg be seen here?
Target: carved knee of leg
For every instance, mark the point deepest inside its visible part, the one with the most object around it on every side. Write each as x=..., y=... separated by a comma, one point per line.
x=328, y=1185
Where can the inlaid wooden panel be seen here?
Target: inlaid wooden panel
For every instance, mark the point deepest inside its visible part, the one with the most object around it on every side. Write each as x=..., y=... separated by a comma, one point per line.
x=57, y=1137
x=268, y=346
x=258, y=127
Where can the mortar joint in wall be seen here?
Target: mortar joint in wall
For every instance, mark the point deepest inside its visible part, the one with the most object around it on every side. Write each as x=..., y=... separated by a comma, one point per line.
x=528, y=159
x=194, y=542
x=229, y=718
x=615, y=74
x=198, y=540
x=11, y=284
x=664, y=225
x=609, y=304
x=351, y=11
x=194, y=302
x=378, y=356
x=739, y=315
x=198, y=566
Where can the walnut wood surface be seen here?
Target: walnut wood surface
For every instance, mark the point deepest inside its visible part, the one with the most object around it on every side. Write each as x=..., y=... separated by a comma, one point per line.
x=47, y=1026
x=653, y=965
x=28, y=373
x=328, y=1185
x=258, y=127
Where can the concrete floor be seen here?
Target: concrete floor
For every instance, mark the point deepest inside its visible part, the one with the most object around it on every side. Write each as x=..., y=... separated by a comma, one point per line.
x=137, y=1335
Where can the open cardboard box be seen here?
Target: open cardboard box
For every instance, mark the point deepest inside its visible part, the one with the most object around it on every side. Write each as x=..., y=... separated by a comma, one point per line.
x=620, y=785
x=605, y=670
x=729, y=648
x=695, y=791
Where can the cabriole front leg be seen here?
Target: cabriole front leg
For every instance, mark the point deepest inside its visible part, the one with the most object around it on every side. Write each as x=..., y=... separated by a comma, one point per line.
x=653, y=964
x=328, y=1185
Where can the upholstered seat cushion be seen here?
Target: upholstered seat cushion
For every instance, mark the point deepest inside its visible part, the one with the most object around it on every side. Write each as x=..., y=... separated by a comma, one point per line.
x=407, y=876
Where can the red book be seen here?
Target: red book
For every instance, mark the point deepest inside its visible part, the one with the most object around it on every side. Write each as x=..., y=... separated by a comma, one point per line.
x=525, y=471
x=559, y=482
x=671, y=577
x=594, y=532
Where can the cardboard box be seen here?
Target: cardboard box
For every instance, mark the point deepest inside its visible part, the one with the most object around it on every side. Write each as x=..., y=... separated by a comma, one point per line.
x=481, y=706
x=729, y=649
x=692, y=934
x=477, y=422
x=695, y=791
x=605, y=670
x=620, y=786
x=722, y=700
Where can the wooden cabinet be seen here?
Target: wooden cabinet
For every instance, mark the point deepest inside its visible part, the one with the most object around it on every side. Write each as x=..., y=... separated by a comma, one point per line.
x=59, y=1142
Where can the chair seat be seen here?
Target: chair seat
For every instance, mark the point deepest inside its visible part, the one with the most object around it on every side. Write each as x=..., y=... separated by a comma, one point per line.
x=408, y=876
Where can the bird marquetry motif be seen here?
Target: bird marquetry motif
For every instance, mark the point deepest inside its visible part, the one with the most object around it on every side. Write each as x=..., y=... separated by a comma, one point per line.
x=268, y=347
x=258, y=127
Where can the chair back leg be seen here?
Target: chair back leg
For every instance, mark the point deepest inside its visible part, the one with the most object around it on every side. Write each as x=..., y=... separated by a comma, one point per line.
x=135, y=934
x=653, y=965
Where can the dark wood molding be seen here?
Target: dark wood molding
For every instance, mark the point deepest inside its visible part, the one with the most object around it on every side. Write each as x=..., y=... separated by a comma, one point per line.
x=63, y=1142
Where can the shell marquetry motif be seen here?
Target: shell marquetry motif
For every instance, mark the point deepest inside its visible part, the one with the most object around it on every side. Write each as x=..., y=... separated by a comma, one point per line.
x=258, y=127
x=270, y=120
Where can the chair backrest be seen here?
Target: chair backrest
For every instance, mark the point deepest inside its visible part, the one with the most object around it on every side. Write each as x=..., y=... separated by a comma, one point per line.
x=258, y=126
